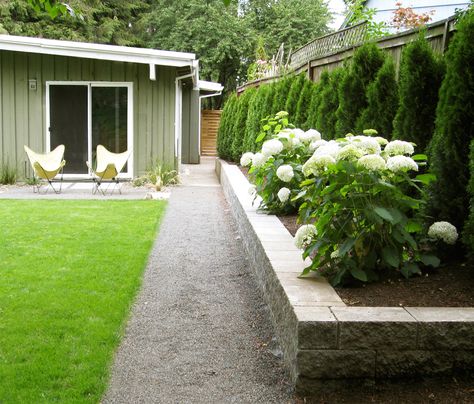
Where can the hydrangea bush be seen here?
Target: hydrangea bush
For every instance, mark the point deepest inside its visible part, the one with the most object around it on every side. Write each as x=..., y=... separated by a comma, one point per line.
x=365, y=200
x=360, y=199
x=276, y=170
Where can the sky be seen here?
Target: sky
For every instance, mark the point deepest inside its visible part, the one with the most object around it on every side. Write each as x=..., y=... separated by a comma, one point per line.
x=337, y=7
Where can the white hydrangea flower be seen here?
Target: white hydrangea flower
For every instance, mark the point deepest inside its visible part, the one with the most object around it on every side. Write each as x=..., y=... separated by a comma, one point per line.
x=246, y=159
x=283, y=194
x=381, y=140
x=272, y=147
x=369, y=145
x=317, y=164
x=285, y=173
x=259, y=159
x=316, y=144
x=331, y=148
x=401, y=163
x=305, y=235
x=335, y=254
x=292, y=139
x=349, y=152
x=310, y=135
x=252, y=190
x=372, y=162
x=399, y=148
x=443, y=231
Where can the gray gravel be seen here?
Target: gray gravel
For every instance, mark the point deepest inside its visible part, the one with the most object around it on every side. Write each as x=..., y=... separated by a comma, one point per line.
x=199, y=331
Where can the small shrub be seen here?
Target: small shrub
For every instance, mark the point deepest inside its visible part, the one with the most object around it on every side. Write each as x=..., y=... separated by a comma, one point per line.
x=8, y=174
x=420, y=78
x=159, y=175
x=360, y=72
x=382, y=101
x=468, y=231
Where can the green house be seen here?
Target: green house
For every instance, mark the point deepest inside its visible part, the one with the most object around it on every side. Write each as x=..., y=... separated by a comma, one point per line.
x=81, y=95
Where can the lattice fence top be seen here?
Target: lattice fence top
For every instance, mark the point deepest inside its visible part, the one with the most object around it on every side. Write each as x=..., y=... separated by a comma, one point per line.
x=328, y=44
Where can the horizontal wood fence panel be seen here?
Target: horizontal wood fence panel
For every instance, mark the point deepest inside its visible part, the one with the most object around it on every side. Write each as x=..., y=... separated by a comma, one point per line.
x=210, y=120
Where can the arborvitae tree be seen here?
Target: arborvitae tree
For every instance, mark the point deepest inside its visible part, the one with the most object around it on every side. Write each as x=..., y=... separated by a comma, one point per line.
x=302, y=107
x=238, y=132
x=326, y=114
x=281, y=94
x=316, y=100
x=272, y=89
x=468, y=232
x=420, y=78
x=294, y=95
x=382, y=101
x=255, y=115
x=365, y=63
x=224, y=140
x=449, y=148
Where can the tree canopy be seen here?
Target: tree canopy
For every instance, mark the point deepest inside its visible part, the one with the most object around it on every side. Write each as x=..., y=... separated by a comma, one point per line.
x=223, y=37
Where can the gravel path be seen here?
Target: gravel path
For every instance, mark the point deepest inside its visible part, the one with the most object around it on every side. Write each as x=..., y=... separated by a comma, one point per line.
x=199, y=331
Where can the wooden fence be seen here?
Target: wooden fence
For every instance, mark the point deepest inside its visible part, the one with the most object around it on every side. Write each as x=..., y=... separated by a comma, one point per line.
x=331, y=51
x=210, y=120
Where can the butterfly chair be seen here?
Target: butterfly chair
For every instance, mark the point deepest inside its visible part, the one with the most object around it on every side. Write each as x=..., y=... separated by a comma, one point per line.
x=109, y=166
x=46, y=167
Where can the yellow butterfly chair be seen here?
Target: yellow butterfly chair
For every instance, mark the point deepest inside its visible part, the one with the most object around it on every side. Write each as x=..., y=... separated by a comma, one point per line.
x=109, y=166
x=47, y=166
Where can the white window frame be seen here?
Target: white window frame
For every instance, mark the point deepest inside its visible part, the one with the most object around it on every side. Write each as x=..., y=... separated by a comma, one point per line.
x=90, y=85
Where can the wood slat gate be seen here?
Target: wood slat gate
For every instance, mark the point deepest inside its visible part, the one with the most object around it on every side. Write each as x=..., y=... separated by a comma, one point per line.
x=210, y=120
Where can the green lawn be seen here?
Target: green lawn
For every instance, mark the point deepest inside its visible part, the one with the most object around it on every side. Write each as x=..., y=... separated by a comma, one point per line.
x=69, y=271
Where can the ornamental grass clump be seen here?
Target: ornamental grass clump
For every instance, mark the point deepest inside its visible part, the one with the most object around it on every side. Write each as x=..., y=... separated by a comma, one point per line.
x=276, y=169
x=363, y=198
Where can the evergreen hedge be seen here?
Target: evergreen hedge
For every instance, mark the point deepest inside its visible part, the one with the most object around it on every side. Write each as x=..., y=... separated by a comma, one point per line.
x=302, y=107
x=326, y=114
x=224, y=140
x=240, y=122
x=281, y=94
x=382, y=101
x=468, y=232
x=294, y=95
x=256, y=112
x=420, y=79
x=361, y=71
x=316, y=98
x=449, y=148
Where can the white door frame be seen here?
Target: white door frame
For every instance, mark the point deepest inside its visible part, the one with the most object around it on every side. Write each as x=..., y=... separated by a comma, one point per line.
x=90, y=85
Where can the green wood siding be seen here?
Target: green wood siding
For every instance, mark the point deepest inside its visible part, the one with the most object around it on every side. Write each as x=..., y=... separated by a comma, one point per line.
x=23, y=111
x=190, y=126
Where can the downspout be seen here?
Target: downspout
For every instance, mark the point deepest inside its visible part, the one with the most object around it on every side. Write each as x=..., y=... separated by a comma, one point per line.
x=200, y=115
x=178, y=116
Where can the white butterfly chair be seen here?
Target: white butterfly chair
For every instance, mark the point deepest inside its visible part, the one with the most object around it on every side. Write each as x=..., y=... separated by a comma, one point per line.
x=109, y=166
x=46, y=167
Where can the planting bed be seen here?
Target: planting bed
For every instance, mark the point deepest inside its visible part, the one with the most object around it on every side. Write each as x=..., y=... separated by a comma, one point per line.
x=326, y=343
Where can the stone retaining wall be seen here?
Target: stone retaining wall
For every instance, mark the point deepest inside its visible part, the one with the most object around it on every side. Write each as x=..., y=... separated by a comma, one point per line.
x=327, y=344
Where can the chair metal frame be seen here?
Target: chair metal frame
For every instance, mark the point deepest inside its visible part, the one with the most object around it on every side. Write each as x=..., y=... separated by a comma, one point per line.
x=40, y=174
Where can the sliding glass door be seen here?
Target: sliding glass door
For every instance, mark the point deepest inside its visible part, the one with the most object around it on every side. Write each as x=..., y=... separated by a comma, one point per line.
x=84, y=115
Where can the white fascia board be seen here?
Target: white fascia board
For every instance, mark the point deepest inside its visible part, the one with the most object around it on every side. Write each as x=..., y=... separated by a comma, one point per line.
x=210, y=86
x=96, y=51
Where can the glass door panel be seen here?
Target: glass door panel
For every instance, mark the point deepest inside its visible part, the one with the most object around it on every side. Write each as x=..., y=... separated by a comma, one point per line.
x=68, y=125
x=109, y=119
